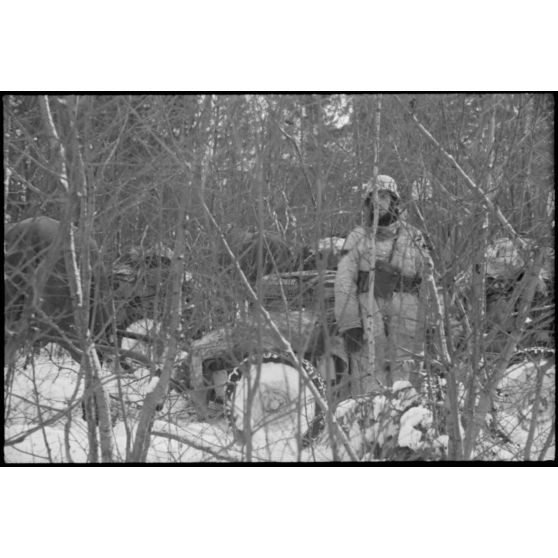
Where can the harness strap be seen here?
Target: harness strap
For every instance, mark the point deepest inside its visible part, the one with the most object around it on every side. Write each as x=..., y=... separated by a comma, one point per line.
x=395, y=239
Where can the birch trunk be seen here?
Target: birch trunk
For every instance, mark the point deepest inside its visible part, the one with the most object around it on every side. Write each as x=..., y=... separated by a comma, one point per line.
x=372, y=245
x=85, y=279
x=76, y=278
x=454, y=431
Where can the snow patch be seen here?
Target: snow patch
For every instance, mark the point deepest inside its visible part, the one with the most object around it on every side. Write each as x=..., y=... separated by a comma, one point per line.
x=279, y=402
x=413, y=423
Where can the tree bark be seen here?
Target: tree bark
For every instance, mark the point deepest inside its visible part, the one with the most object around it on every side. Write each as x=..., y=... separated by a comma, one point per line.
x=369, y=324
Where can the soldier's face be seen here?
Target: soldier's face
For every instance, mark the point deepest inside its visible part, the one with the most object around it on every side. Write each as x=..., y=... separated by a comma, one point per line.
x=384, y=200
x=386, y=209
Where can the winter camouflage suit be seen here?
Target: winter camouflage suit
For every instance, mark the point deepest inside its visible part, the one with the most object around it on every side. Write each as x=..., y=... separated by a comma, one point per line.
x=399, y=315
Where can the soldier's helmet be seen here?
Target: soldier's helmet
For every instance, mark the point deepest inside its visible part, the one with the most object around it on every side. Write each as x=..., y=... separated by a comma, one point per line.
x=384, y=182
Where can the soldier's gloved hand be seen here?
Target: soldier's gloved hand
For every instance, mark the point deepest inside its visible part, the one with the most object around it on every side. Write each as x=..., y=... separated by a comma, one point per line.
x=354, y=339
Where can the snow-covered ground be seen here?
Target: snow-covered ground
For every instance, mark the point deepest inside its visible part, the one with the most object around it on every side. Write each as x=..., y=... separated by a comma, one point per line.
x=44, y=419
x=513, y=418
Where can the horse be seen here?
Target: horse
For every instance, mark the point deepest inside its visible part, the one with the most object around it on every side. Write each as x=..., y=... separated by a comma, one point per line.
x=48, y=315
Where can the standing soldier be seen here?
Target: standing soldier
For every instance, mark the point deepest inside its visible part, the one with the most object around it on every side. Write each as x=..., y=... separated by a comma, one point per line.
x=398, y=304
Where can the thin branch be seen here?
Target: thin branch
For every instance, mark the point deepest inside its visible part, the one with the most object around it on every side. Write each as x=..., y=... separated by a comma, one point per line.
x=300, y=158
x=549, y=441
x=484, y=198
x=172, y=326
x=541, y=371
x=283, y=341
x=200, y=447
x=500, y=367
